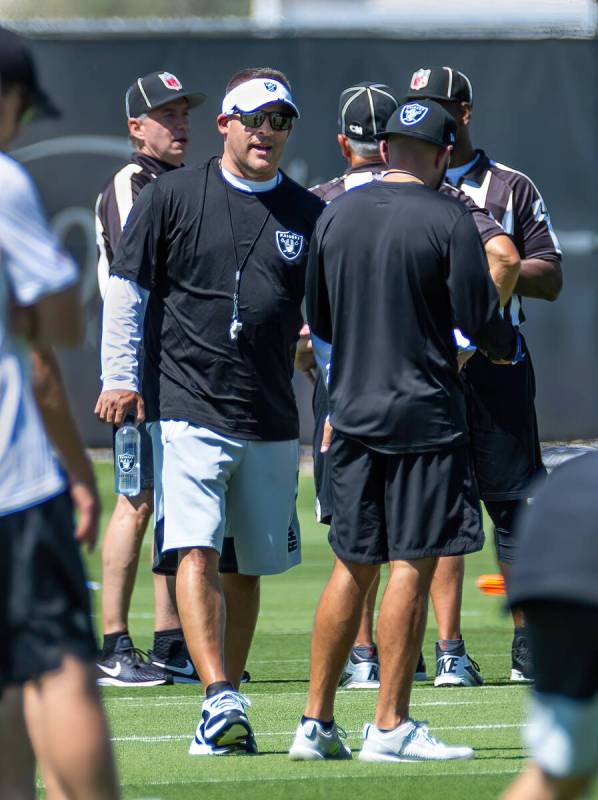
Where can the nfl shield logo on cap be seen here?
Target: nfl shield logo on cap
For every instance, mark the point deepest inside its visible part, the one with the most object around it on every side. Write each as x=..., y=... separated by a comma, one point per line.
x=170, y=81
x=419, y=79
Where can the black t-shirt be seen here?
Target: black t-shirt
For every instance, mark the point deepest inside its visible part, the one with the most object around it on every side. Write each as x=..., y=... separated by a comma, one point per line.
x=393, y=268
x=557, y=555
x=181, y=244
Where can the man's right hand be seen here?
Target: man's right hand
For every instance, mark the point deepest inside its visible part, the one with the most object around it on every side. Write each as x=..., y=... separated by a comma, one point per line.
x=114, y=404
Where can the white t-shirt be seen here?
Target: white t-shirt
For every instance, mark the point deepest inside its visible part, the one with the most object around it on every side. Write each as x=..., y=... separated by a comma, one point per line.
x=31, y=266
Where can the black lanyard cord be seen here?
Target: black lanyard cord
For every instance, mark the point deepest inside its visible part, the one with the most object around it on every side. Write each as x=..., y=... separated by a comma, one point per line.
x=235, y=324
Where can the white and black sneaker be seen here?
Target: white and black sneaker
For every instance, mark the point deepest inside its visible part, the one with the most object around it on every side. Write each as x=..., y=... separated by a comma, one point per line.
x=362, y=670
x=128, y=666
x=177, y=664
x=521, y=662
x=314, y=742
x=455, y=668
x=223, y=728
x=410, y=741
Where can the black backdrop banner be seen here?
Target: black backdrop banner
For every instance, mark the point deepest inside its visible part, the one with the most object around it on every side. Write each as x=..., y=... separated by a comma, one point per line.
x=535, y=109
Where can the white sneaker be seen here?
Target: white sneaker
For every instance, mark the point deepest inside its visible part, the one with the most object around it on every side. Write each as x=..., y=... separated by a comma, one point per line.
x=313, y=743
x=360, y=673
x=456, y=669
x=223, y=728
x=410, y=741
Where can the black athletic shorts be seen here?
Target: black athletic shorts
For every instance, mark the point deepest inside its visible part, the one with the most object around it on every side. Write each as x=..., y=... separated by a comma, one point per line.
x=166, y=561
x=147, y=457
x=405, y=506
x=563, y=639
x=321, y=460
x=503, y=426
x=45, y=612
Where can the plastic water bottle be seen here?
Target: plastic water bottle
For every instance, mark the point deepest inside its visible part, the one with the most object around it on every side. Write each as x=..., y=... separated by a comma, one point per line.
x=127, y=452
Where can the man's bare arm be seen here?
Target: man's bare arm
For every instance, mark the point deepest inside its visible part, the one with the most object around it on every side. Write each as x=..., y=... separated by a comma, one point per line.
x=540, y=278
x=54, y=320
x=52, y=401
x=504, y=264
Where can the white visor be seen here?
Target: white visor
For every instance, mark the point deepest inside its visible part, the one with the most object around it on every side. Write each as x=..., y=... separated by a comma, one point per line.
x=256, y=93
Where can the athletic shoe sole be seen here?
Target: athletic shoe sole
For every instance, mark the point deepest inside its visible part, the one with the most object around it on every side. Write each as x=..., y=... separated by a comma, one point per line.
x=306, y=754
x=420, y=676
x=518, y=677
x=197, y=749
x=130, y=684
x=387, y=758
x=453, y=680
x=361, y=685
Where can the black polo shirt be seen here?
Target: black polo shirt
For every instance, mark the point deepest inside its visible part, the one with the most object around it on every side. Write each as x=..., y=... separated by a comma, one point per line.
x=187, y=235
x=393, y=268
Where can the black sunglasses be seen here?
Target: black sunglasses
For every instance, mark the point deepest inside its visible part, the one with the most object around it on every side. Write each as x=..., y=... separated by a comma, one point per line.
x=255, y=119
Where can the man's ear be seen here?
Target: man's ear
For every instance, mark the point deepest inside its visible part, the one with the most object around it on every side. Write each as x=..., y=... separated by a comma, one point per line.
x=135, y=129
x=384, y=151
x=441, y=154
x=222, y=121
x=343, y=143
x=466, y=113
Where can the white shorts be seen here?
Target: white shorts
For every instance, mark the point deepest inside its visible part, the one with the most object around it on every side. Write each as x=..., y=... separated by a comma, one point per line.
x=210, y=486
x=563, y=735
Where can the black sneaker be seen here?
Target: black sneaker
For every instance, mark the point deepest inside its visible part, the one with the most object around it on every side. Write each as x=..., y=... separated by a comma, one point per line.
x=420, y=670
x=177, y=664
x=128, y=666
x=521, y=662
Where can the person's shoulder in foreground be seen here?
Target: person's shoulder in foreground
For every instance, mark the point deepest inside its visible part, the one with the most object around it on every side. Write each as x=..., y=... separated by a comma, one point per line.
x=558, y=555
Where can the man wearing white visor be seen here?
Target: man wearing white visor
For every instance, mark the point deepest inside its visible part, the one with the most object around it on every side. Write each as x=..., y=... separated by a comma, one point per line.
x=217, y=254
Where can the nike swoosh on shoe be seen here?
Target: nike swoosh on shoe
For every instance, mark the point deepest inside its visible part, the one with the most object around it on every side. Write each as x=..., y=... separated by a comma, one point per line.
x=114, y=672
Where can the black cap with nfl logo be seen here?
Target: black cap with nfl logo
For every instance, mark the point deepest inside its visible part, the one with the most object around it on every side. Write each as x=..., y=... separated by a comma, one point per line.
x=364, y=109
x=155, y=90
x=440, y=83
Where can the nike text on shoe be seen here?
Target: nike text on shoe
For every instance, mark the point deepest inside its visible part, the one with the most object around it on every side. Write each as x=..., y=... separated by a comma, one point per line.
x=456, y=668
x=360, y=672
x=313, y=743
x=128, y=666
x=223, y=728
x=521, y=665
x=420, y=670
x=410, y=741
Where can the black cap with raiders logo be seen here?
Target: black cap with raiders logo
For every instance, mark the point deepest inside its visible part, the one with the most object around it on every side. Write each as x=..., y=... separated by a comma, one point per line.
x=440, y=83
x=426, y=120
x=18, y=69
x=155, y=90
x=364, y=109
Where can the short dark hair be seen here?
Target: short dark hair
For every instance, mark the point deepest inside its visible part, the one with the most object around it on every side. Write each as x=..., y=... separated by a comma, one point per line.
x=249, y=73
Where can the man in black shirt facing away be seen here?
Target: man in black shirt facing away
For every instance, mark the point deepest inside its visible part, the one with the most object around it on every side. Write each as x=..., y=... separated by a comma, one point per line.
x=157, y=109
x=364, y=110
x=219, y=255
x=502, y=416
x=393, y=268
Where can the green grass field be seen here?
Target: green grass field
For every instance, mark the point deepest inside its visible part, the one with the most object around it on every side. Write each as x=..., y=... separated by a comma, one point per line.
x=152, y=728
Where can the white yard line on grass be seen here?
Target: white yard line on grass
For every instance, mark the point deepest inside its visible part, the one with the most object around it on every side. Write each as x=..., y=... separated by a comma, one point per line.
x=321, y=776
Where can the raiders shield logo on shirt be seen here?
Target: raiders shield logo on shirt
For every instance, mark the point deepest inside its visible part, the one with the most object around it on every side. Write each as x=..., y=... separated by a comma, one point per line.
x=126, y=462
x=290, y=244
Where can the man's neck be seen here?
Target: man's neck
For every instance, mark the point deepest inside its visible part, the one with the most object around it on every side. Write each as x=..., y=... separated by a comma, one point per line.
x=463, y=152
x=172, y=161
x=356, y=162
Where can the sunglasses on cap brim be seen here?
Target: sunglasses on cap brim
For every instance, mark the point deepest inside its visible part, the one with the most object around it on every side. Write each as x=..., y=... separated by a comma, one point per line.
x=255, y=119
